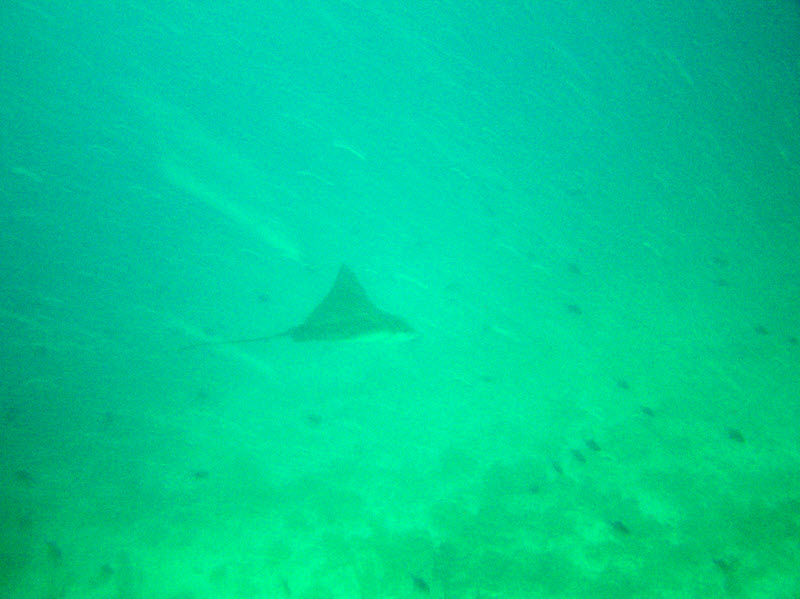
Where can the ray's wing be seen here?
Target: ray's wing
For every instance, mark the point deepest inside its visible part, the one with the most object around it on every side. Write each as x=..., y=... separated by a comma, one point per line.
x=344, y=313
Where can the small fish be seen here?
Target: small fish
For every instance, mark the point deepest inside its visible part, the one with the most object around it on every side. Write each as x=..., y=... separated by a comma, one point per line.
x=720, y=261
x=734, y=434
x=54, y=554
x=24, y=477
x=574, y=309
x=313, y=420
x=592, y=444
x=104, y=575
x=420, y=585
x=620, y=527
x=726, y=564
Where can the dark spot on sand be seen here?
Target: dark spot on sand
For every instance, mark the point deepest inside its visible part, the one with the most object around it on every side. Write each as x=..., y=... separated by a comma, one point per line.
x=760, y=329
x=573, y=269
x=647, y=411
x=623, y=384
x=200, y=474
x=578, y=455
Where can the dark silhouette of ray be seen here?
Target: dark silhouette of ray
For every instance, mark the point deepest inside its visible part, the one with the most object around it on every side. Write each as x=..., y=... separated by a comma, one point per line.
x=345, y=313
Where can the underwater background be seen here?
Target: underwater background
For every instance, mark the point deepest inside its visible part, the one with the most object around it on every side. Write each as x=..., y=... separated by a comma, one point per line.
x=588, y=212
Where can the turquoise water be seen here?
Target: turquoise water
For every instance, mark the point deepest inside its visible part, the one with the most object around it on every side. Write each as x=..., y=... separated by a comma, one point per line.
x=588, y=212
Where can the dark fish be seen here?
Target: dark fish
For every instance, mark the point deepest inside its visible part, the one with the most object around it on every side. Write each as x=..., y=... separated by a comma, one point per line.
x=734, y=434
x=420, y=585
x=24, y=477
x=574, y=309
x=104, y=575
x=54, y=555
x=726, y=565
x=313, y=420
x=620, y=527
x=592, y=444
x=720, y=261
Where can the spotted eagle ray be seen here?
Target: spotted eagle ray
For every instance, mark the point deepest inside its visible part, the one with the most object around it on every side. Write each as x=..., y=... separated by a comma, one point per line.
x=344, y=313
